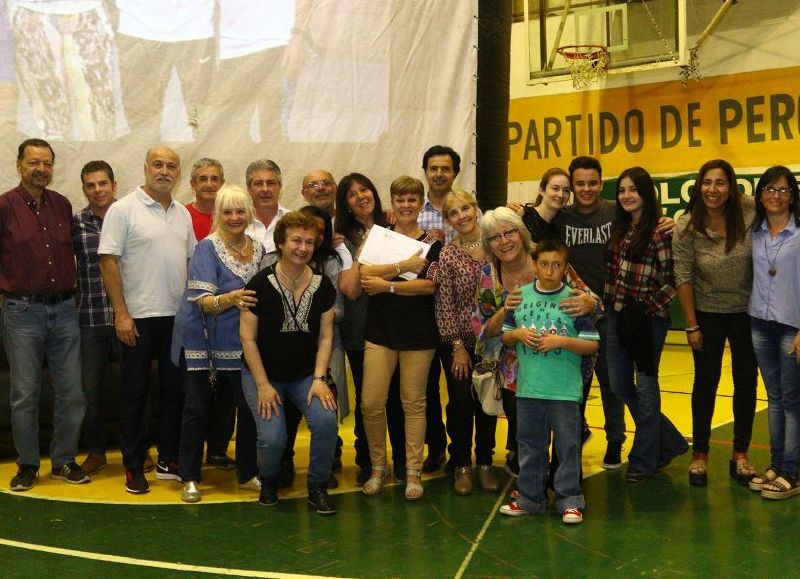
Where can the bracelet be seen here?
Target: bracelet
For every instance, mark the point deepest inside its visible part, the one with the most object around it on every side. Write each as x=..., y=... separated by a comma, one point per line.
x=457, y=345
x=391, y=288
x=397, y=268
x=692, y=329
x=217, y=307
x=321, y=378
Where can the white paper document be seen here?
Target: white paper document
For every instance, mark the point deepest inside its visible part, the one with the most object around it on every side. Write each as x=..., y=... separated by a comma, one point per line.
x=384, y=246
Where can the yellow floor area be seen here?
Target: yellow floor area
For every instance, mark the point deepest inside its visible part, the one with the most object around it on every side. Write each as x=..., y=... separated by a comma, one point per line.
x=107, y=486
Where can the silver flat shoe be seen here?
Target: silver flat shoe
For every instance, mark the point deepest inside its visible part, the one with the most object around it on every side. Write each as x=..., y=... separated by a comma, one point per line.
x=254, y=484
x=190, y=494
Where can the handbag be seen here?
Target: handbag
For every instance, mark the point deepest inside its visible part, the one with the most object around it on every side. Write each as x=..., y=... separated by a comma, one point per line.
x=487, y=382
x=213, y=378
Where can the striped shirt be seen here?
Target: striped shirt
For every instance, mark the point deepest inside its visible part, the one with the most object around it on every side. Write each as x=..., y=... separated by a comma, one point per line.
x=649, y=279
x=94, y=307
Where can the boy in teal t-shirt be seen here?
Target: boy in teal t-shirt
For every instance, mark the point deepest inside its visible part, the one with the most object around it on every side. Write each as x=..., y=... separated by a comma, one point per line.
x=550, y=346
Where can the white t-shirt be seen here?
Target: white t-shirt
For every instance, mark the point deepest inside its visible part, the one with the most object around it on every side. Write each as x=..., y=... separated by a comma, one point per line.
x=264, y=234
x=167, y=20
x=154, y=247
x=248, y=26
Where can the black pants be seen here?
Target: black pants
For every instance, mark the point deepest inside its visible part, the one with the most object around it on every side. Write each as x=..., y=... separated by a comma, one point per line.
x=435, y=434
x=510, y=410
x=154, y=341
x=464, y=409
x=716, y=329
x=221, y=418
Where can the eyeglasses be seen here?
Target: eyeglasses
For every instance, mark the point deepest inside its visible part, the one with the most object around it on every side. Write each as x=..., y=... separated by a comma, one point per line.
x=778, y=191
x=507, y=235
x=321, y=184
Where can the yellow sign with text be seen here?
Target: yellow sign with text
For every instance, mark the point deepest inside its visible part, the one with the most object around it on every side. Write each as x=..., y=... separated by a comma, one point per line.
x=750, y=119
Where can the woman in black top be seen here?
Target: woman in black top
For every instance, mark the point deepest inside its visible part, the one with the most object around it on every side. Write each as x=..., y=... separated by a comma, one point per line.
x=286, y=342
x=401, y=328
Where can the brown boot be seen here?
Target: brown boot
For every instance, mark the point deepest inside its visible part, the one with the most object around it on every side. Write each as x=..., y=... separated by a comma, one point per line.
x=489, y=482
x=462, y=484
x=94, y=462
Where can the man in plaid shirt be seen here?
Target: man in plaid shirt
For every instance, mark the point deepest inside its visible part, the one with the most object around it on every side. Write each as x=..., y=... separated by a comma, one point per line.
x=95, y=314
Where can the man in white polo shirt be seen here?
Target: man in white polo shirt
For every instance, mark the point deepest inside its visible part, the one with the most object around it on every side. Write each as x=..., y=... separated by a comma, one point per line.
x=264, y=183
x=145, y=246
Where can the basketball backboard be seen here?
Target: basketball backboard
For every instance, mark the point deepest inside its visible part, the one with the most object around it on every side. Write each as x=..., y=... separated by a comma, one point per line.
x=639, y=34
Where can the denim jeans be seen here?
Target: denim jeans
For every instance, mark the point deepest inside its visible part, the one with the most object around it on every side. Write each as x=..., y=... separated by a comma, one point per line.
x=464, y=410
x=510, y=410
x=198, y=412
x=271, y=438
x=536, y=420
x=34, y=332
x=154, y=341
x=772, y=342
x=656, y=441
x=716, y=329
x=613, y=407
x=97, y=344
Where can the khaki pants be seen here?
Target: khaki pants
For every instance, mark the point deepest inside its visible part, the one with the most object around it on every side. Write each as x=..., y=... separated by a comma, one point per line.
x=379, y=365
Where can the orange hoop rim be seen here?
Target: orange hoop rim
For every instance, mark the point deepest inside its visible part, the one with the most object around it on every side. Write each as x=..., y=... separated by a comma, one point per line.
x=579, y=52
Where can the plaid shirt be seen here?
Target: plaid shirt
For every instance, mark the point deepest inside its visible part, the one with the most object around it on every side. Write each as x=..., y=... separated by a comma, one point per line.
x=432, y=218
x=94, y=308
x=650, y=279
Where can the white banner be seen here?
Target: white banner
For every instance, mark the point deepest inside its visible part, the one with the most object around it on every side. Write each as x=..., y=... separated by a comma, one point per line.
x=344, y=85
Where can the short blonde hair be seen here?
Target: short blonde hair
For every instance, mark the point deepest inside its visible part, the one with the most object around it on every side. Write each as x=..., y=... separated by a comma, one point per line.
x=454, y=197
x=232, y=197
x=405, y=185
x=503, y=216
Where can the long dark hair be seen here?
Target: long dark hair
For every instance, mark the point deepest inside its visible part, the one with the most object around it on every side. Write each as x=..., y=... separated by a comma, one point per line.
x=735, y=228
x=325, y=251
x=650, y=212
x=768, y=178
x=346, y=223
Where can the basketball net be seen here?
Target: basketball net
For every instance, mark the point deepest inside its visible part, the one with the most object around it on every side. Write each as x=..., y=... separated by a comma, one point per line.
x=587, y=63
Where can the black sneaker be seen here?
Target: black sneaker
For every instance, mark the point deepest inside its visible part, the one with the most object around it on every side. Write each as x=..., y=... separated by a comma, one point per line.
x=363, y=475
x=26, y=477
x=269, y=493
x=512, y=464
x=135, y=483
x=613, y=458
x=286, y=478
x=168, y=470
x=221, y=461
x=333, y=483
x=70, y=473
x=319, y=500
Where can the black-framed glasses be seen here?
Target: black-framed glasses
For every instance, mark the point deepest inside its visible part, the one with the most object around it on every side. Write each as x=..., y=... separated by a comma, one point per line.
x=508, y=235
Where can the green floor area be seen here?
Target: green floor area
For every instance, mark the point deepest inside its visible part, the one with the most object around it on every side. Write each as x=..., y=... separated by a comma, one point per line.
x=658, y=527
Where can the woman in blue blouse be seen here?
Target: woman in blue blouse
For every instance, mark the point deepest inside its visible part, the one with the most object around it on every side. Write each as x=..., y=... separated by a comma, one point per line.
x=775, y=325
x=207, y=323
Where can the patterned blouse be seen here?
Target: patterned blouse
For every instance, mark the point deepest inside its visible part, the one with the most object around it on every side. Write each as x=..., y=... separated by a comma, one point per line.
x=212, y=271
x=491, y=296
x=455, y=296
x=649, y=279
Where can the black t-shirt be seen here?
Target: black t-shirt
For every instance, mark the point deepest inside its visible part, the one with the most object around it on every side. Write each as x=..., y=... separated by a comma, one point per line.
x=287, y=336
x=406, y=322
x=539, y=228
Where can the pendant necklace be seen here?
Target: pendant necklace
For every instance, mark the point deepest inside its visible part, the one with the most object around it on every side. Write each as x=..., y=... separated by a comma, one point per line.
x=772, y=271
x=291, y=281
x=236, y=249
x=469, y=244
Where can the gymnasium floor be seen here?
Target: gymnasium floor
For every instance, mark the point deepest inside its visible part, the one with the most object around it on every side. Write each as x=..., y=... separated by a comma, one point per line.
x=659, y=527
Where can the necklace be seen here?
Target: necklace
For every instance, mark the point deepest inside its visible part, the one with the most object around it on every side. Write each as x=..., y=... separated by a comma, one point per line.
x=772, y=271
x=236, y=249
x=517, y=278
x=469, y=244
x=292, y=282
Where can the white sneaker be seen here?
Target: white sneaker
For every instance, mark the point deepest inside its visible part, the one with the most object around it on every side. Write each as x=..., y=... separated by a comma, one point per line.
x=254, y=484
x=190, y=494
x=572, y=516
x=513, y=509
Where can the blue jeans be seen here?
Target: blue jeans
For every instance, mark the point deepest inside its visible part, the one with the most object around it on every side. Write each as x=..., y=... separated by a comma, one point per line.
x=772, y=342
x=271, y=434
x=536, y=418
x=34, y=332
x=656, y=441
x=97, y=342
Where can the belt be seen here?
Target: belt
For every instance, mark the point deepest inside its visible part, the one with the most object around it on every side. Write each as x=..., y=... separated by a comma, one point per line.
x=40, y=298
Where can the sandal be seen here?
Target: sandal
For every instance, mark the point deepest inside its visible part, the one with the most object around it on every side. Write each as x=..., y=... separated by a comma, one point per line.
x=742, y=471
x=374, y=484
x=783, y=487
x=414, y=490
x=757, y=482
x=698, y=473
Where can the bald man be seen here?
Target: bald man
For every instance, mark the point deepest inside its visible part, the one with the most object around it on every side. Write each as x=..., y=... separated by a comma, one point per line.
x=145, y=245
x=319, y=190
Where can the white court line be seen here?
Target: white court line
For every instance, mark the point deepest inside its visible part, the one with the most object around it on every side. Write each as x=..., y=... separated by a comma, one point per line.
x=155, y=564
x=484, y=528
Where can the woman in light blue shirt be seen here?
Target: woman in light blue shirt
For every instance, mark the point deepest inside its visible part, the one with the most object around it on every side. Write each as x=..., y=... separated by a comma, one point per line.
x=775, y=316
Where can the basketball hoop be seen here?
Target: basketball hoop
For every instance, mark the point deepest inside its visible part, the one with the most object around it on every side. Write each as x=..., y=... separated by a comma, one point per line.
x=587, y=63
